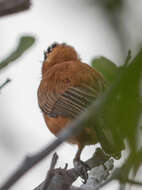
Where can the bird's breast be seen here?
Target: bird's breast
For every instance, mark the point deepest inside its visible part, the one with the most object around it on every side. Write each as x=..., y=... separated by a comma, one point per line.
x=87, y=136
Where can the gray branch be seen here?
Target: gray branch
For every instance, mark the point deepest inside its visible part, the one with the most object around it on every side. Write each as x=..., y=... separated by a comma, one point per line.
x=13, y=6
x=99, y=175
x=62, y=179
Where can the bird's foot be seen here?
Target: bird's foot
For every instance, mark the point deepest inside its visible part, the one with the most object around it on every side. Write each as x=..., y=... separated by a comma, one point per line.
x=82, y=168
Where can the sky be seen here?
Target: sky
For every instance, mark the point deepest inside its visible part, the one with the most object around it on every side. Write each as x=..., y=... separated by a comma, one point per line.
x=23, y=131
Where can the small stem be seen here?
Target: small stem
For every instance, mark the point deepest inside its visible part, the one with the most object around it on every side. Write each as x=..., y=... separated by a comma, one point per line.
x=132, y=182
x=128, y=57
x=5, y=83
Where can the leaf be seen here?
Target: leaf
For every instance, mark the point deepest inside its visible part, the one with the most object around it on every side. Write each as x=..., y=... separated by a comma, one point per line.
x=25, y=42
x=119, y=115
x=106, y=67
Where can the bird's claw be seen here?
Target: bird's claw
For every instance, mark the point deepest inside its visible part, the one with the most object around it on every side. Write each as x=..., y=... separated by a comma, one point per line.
x=82, y=169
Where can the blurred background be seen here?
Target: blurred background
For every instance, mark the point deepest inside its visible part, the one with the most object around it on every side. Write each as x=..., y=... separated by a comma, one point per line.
x=104, y=27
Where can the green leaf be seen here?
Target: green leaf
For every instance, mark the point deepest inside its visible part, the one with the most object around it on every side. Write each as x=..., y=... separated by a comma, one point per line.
x=25, y=42
x=118, y=117
x=106, y=67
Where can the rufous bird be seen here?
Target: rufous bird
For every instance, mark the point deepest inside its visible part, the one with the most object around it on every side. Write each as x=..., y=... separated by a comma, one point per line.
x=68, y=86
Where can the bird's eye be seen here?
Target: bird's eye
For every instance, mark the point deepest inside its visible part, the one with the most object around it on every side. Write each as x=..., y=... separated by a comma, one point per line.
x=49, y=49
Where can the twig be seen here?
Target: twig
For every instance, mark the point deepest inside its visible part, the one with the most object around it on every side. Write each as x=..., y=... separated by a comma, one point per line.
x=50, y=174
x=13, y=6
x=128, y=58
x=132, y=182
x=54, y=161
x=5, y=83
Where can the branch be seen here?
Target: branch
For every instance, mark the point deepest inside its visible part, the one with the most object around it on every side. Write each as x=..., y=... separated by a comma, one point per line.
x=121, y=174
x=98, y=175
x=5, y=83
x=50, y=174
x=13, y=6
x=62, y=178
x=116, y=175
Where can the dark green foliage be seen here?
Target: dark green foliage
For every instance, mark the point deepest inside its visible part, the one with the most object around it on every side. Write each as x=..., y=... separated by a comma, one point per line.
x=119, y=115
x=111, y=5
x=106, y=67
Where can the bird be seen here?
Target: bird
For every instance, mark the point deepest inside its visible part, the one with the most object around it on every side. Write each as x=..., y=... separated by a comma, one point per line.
x=68, y=86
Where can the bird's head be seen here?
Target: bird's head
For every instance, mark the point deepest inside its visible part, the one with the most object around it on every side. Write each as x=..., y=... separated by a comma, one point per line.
x=59, y=53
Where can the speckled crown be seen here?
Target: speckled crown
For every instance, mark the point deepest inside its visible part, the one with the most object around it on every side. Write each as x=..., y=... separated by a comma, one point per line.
x=50, y=49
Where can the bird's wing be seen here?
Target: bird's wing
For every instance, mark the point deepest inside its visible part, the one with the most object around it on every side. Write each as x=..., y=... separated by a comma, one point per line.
x=72, y=102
